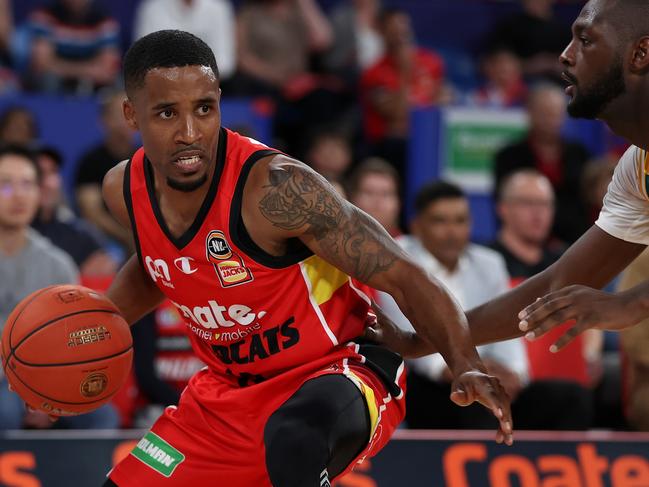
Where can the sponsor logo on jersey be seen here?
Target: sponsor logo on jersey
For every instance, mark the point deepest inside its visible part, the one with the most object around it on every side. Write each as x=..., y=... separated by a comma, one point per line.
x=231, y=272
x=215, y=316
x=159, y=271
x=156, y=453
x=228, y=265
x=217, y=246
x=259, y=346
x=185, y=265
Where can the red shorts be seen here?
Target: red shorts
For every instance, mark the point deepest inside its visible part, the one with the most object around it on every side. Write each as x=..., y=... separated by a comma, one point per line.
x=215, y=435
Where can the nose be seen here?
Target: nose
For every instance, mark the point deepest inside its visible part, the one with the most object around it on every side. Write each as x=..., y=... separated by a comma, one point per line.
x=566, y=57
x=188, y=132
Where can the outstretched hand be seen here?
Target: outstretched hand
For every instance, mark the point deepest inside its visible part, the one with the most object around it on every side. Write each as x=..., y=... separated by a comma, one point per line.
x=590, y=308
x=476, y=386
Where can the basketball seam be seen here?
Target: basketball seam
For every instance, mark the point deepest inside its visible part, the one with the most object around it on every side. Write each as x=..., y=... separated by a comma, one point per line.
x=11, y=329
x=66, y=364
x=56, y=400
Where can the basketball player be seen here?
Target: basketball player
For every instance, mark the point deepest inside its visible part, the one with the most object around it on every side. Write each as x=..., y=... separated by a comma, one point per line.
x=261, y=256
x=607, y=72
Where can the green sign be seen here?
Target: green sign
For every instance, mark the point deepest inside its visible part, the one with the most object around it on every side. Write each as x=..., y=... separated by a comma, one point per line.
x=158, y=454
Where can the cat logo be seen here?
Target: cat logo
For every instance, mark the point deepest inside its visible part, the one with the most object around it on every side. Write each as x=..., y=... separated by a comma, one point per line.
x=217, y=247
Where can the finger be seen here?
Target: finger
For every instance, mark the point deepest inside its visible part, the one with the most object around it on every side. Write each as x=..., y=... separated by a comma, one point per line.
x=9, y=387
x=460, y=397
x=53, y=419
x=569, y=336
x=538, y=326
x=544, y=306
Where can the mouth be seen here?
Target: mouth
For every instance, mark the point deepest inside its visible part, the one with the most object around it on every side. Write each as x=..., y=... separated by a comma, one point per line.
x=188, y=162
x=571, y=82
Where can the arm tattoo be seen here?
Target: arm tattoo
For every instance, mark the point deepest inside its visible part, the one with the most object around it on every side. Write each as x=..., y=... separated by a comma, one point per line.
x=297, y=197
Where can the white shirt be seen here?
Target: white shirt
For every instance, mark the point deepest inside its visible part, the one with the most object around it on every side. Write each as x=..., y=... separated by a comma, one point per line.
x=480, y=276
x=210, y=20
x=625, y=213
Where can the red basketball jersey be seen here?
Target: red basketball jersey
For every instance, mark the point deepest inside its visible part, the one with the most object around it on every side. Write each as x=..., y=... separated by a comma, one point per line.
x=251, y=315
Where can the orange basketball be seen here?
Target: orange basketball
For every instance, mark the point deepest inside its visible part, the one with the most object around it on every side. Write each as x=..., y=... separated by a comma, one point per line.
x=66, y=350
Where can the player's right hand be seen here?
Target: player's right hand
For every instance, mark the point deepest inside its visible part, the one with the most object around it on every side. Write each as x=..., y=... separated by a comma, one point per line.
x=472, y=386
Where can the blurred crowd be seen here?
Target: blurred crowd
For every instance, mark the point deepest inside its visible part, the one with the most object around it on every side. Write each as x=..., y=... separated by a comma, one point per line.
x=340, y=84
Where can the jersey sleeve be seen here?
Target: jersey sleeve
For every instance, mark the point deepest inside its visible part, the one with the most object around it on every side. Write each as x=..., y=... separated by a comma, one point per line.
x=625, y=213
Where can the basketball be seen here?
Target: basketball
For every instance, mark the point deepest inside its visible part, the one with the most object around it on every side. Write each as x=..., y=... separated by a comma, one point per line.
x=66, y=350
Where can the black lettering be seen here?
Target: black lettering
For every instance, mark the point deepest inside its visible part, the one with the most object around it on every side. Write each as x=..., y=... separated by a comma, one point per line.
x=222, y=353
x=235, y=350
x=257, y=348
x=287, y=331
x=271, y=340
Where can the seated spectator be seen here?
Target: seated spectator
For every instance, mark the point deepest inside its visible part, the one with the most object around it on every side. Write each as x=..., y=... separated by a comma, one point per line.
x=526, y=209
x=503, y=86
x=357, y=41
x=75, y=47
x=58, y=223
x=635, y=347
x=473, y=274
x=18, y=127
x=406, y=77
x=211, y=20
x=118, y=145
x=330, y=155
x=29, y=262
x=536, y=36
x=374, y=187
x=8, y=80
x=561, y=161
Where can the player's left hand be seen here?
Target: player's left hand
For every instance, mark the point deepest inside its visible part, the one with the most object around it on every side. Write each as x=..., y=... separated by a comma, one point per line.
x=472, y=386
x=590, y=308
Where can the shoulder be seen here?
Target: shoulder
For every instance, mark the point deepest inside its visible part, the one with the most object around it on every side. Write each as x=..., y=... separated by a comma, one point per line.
x=113, y=192
x=49, y=255
x=431, y=58
x=486, y=257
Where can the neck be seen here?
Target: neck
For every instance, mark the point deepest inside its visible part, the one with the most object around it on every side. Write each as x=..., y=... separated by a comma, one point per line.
x=12, y=240
x=46, y=214
x=544, y=139
x=627, y=118
x=528, y=252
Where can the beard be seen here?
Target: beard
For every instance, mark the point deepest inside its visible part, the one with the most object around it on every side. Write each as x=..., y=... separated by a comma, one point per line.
x=187, y=186
x=589, y=102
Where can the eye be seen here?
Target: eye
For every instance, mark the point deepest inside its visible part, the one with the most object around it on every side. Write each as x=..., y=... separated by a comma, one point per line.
x=584, y=40
x=166, y=114
x=204, y=109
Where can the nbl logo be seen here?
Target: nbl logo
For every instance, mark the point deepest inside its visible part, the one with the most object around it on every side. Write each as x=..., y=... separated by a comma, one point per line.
x=229, y=266
x=217, y=247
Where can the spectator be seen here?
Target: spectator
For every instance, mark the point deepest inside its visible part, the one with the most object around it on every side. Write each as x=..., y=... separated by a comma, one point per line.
x=8, y=80
x=357, y=39
x=330, y=155
x=75, y=47
x=29, y=262
x=474, y=275
x=274, y=41
x=504, y=86
x=374, y=188
x=635, y=347
x=406, y=77
x=18, y=127
x=536, y=36
x=545, y=149
x=58, y=223
x=118, y=145
x=211, y=20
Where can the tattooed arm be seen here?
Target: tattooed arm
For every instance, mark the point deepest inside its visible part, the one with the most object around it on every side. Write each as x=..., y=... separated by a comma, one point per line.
x=295, y=201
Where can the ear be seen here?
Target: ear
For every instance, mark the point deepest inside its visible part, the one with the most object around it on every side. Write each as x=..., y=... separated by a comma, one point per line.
x=640, y=55
x=129, y=114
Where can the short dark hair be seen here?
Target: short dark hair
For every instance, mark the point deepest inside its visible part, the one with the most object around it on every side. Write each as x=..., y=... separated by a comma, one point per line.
x=629, y=17
x=52, y=153
x=372, y=165
x=10, y=112
x=23, y=152
x=165, y=49
x=433, y=192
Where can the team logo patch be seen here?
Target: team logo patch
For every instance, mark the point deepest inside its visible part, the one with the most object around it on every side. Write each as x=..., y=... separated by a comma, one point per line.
x=94, y=384
x=158, y=454
x=228, y=265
